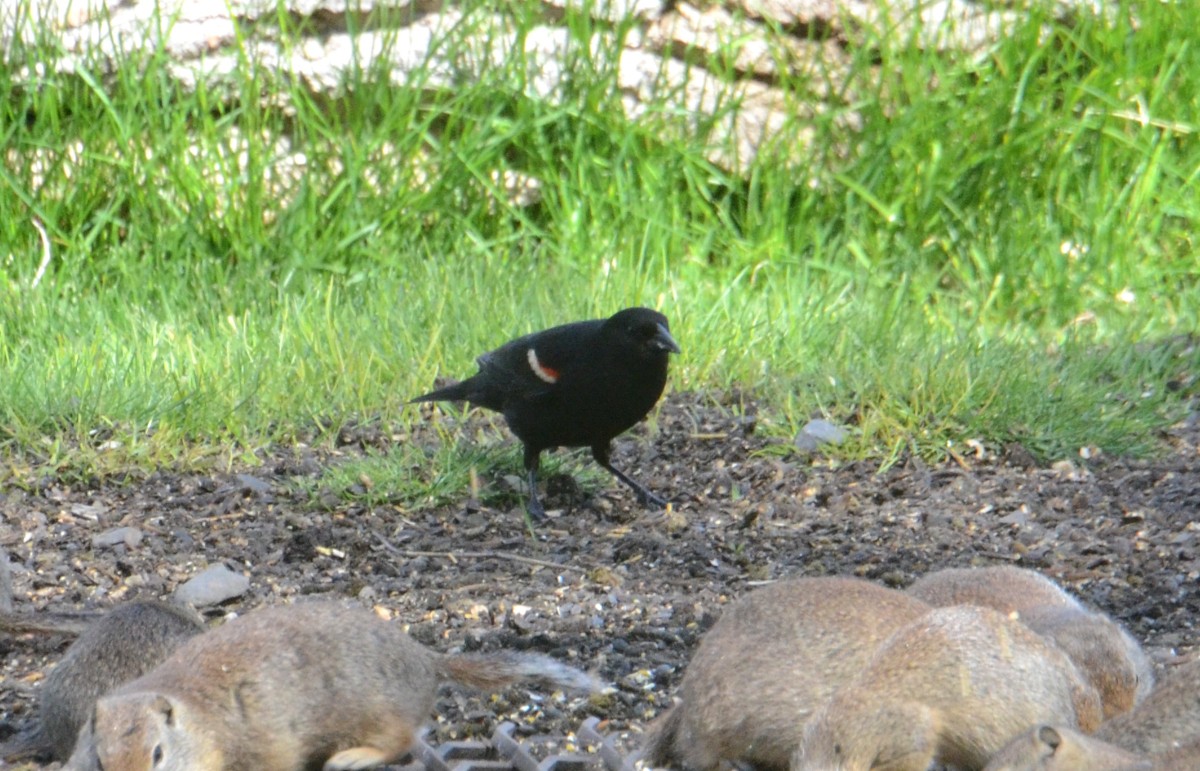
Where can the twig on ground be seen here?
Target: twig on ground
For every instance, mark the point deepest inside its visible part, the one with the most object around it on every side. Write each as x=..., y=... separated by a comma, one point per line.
x=456, y=555
x=64, y=623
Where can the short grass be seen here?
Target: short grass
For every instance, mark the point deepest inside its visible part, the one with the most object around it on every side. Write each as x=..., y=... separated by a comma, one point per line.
x=1005, y=251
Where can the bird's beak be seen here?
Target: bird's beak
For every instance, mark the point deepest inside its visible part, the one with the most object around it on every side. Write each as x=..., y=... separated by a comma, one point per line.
x=664, y=342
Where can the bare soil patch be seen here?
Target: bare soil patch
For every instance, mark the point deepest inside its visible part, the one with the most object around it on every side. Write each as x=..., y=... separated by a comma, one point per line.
x=607, y=585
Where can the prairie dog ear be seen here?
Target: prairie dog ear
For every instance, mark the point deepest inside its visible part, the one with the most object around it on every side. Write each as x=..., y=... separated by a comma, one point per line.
x=164, y=707
x=1049, y=737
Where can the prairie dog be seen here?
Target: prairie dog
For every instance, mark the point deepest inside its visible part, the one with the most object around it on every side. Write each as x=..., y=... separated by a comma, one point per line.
x=307, y=686
x=1160, y=734
x=1106, y=654
x=773, y=657
x=955, y=686
x=1167, y=720
x=1055, y=748
x=121, y=645
x=116, y=647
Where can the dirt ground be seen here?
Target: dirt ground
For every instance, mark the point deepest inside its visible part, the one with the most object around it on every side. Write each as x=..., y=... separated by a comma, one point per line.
x=611, y=587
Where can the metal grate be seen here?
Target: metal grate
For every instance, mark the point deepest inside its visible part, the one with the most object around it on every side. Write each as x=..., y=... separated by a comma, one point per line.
x=505, y=752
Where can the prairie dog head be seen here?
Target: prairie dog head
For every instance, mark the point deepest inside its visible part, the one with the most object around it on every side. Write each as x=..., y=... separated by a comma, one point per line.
x=141, y=732
x=1055, y=748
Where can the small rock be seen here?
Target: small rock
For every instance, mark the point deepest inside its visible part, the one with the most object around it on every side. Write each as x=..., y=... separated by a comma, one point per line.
x=212, y=586
x=1064, y=468
x=818, y=432
x=1019, y=517
x=515, y=483
x=254, y=484
x=129, y=536
x=91, y=512
x=183, y=540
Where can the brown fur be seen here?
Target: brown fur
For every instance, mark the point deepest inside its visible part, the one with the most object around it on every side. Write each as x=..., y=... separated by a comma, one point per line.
x=954, y=686
x=774, y=656
x=1186, y=757
x=1054, y=748
x=1166, y=720
x=286, y=688
x=114, y=648
x=1106, y=654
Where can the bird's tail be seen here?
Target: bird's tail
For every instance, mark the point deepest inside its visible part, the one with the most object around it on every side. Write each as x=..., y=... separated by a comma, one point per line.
x=489, y=671
x=457, y=392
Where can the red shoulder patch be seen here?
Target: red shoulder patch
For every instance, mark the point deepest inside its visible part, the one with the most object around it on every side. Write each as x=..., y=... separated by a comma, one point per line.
x=548, y=374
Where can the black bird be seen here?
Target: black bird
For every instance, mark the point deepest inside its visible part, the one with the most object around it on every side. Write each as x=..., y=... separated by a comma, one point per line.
x=575, y=385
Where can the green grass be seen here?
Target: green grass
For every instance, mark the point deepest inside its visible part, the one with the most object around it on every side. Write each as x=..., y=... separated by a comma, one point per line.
x=486, y=465
x=1004, y=252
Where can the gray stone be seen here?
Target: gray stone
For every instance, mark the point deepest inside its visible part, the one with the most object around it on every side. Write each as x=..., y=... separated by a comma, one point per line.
x=818, y=432
x=127, y=536
x=254, y=484
x=89, y=511
x=211, y=586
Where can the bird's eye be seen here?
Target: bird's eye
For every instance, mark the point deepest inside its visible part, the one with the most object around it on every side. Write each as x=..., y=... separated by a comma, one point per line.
x=156, y=757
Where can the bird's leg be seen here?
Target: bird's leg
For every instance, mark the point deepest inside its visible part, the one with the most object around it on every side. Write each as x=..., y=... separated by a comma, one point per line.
x=601, y=453
x=534, y=506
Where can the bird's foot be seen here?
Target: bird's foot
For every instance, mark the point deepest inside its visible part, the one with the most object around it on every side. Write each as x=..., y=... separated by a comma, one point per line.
x=535, y=511
x=644, y=496
x=647, y=498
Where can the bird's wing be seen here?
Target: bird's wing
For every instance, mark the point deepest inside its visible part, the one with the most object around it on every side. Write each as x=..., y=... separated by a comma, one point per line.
x=532, y=365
